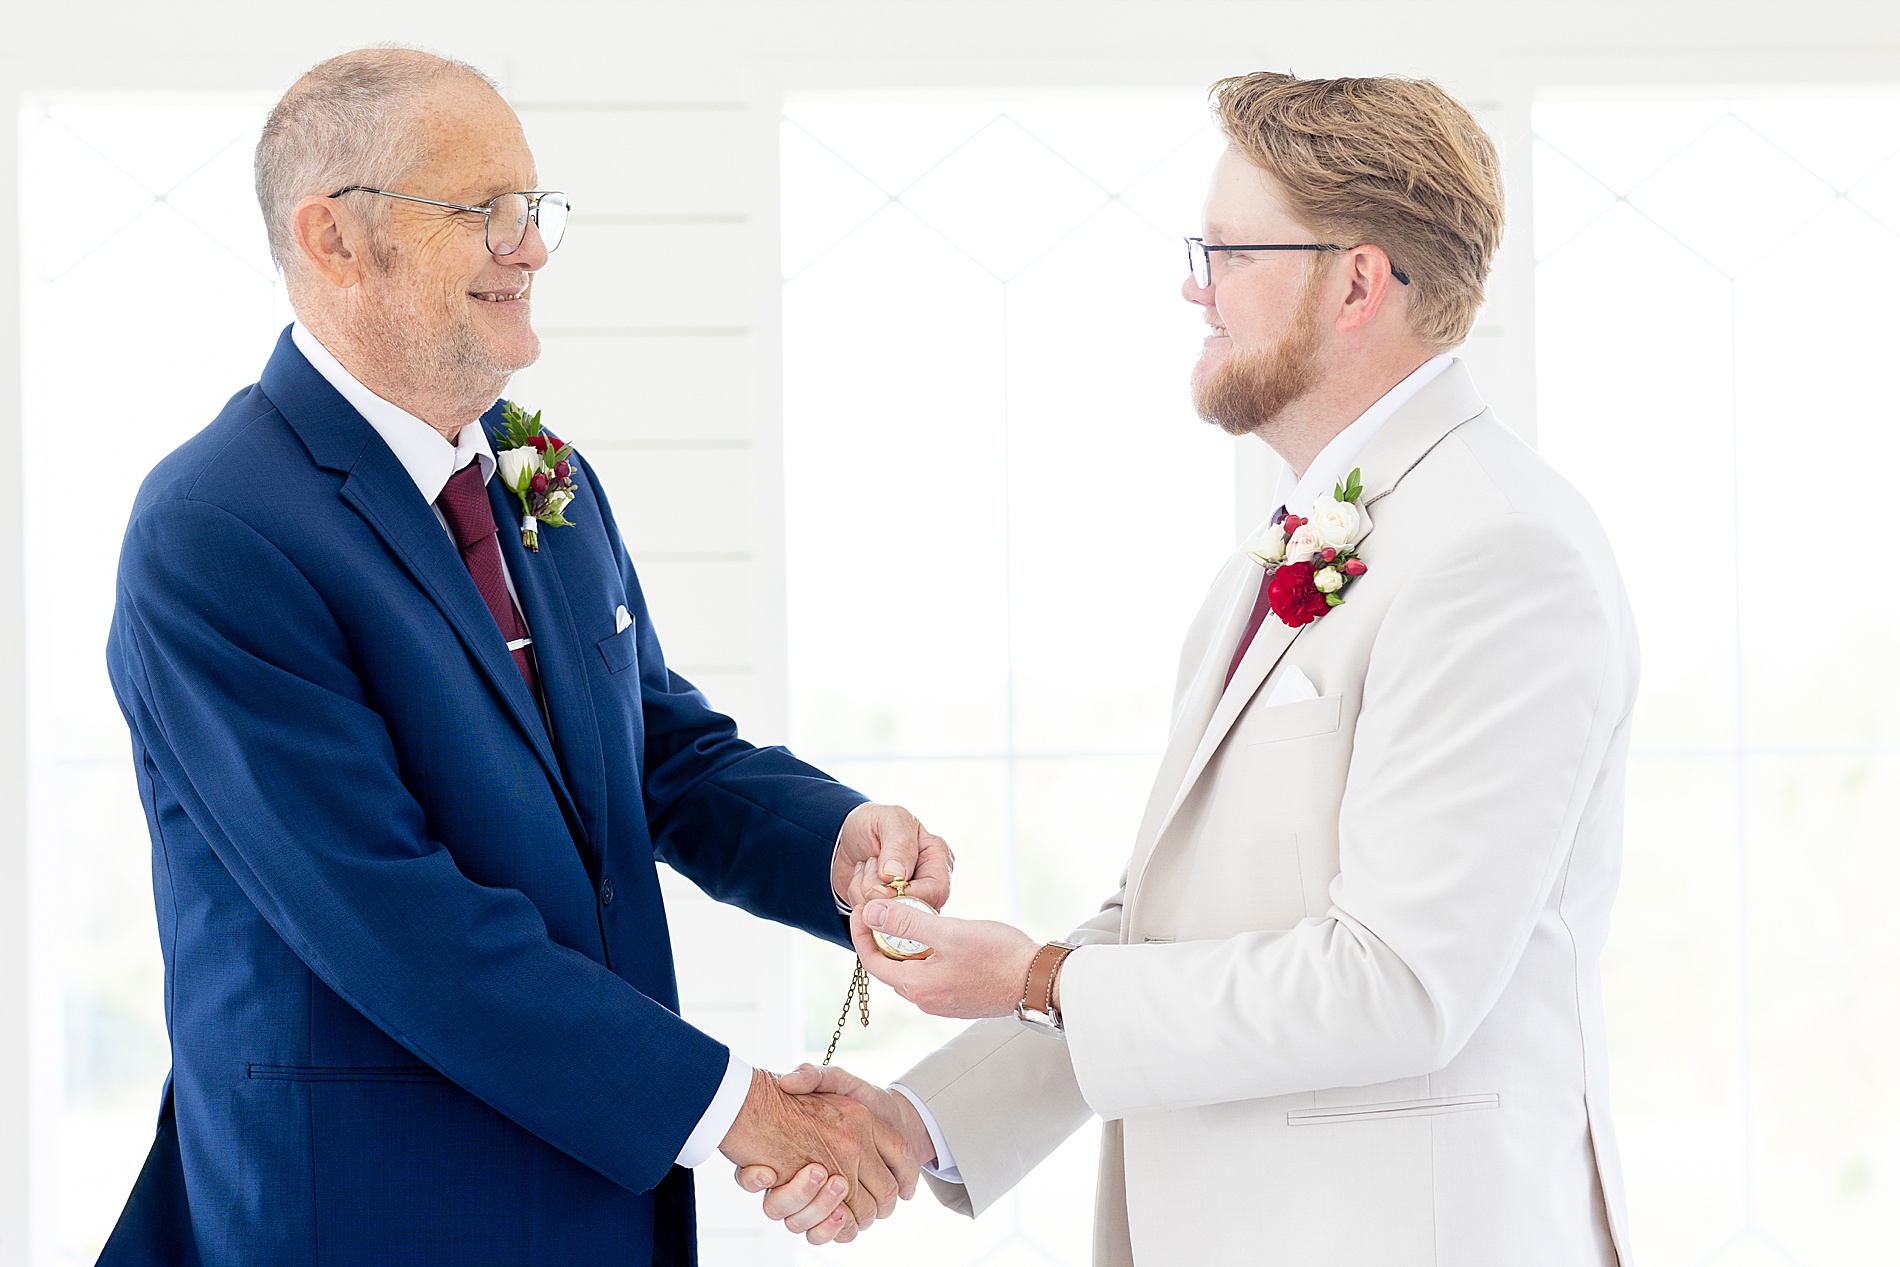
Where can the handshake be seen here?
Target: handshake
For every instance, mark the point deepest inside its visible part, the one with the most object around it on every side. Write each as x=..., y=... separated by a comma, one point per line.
x=831, y=1152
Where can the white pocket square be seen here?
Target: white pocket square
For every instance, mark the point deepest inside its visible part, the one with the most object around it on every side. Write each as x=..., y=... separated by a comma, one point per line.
x=1290, y=687
x=621, y=619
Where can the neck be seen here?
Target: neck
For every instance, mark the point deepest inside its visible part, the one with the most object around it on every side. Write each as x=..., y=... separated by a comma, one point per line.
x=1342, y=396
x=447, y=399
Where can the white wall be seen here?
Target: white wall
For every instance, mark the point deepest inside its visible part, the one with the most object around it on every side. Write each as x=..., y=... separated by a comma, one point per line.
x=676, y=277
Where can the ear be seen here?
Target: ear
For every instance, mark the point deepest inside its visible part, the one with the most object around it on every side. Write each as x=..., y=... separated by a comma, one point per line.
x=329, y=238
x=1369, y=290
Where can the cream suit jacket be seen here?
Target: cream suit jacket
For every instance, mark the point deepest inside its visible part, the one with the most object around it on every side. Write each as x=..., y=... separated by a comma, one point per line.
x=1345, y=1008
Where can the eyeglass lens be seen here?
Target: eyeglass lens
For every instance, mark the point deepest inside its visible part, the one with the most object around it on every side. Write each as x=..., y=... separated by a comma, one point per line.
x=508, y=218
x=1198, y=264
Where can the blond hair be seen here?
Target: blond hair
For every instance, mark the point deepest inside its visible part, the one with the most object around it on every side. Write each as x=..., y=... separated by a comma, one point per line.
x=1392, y=162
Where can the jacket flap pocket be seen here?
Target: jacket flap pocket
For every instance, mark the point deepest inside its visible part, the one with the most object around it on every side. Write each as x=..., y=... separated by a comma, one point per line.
x=1401, y=1108
x=1292, y=721
x=618, y=650
x=342, y=1073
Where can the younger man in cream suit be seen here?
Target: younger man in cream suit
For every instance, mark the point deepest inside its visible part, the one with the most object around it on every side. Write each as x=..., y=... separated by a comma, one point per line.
x=1346, y=1006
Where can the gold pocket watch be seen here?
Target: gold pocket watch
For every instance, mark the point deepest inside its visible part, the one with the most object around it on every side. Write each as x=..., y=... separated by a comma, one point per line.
x=902, y=948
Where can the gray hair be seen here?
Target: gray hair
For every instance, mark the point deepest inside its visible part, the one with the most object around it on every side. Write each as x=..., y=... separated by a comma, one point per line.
x=343, y=124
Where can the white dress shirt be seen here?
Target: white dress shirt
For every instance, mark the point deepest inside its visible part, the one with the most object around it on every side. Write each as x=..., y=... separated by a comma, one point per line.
x=1297, y=493
x=430, y=461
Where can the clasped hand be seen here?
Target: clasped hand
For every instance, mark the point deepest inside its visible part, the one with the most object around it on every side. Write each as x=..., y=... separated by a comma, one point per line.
x=832, y=1152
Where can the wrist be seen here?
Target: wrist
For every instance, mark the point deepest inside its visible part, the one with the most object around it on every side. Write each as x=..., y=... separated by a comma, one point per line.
x=758, y=1102
x=910, y=1124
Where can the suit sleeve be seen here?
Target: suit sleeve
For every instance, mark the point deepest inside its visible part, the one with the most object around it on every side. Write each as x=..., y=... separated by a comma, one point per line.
x=1492, y=693
x=1003, y=1096
x=754, y=827
x=240, y=687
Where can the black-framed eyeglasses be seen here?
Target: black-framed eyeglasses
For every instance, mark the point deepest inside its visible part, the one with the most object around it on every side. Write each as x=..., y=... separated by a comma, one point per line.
x=505, y=217
x=1203, y=268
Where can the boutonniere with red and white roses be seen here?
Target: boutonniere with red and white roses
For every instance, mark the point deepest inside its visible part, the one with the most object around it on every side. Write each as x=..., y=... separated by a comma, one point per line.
x=540, y=470
x=1310, y=558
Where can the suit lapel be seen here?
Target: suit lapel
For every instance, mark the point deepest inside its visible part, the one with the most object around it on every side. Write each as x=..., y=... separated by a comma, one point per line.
x=378, y=488
x=1198, y=704
x=1441, y=407
x=559, y=649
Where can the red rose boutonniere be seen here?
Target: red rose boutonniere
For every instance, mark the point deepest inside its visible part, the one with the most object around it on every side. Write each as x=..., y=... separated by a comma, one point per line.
x=540, y=470
x=1311, y=558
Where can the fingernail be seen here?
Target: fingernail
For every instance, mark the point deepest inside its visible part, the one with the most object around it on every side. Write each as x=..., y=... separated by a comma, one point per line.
x=837, y=1187
x=874, y=913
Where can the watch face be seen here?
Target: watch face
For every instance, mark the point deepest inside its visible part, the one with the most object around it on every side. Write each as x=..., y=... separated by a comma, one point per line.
x=903, y=947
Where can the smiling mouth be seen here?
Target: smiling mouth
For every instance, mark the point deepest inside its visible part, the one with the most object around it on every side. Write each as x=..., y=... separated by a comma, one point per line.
x=1216, y=331
x=501, y=296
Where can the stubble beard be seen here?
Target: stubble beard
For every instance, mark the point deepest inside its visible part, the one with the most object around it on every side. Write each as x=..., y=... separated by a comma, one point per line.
x=446, y=363
x=1253, y=387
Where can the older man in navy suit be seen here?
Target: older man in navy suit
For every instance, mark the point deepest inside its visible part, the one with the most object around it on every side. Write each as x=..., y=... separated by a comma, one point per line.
x=407, y=779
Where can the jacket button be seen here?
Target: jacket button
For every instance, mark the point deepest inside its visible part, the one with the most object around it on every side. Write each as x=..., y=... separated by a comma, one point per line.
x=606, y=892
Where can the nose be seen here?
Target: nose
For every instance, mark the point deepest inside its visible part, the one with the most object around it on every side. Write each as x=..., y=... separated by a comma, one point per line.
x=1195, y=293
x=532, y=254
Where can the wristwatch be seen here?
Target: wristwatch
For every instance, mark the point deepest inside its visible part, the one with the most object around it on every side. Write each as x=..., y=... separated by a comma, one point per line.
x=1037, y=1009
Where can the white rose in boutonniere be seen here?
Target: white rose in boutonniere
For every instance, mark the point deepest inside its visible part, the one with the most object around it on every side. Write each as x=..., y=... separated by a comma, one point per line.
x=1328, y=580
x=515, y=465
x=1334, y=523
x=1269, y=547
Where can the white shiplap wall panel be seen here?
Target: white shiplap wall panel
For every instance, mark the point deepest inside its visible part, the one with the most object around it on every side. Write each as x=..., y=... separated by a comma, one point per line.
x=678, y=503
x=616, y=389
x=703, y=611
x=643, y=160
x=680, y=277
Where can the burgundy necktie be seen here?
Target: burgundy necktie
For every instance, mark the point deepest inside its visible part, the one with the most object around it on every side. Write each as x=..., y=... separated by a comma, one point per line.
x=1256, y=618
x=464, y=503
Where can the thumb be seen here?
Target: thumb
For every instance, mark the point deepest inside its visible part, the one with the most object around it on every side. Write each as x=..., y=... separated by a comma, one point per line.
x=756, y=1178
x=894, y=919
x=801, y=1081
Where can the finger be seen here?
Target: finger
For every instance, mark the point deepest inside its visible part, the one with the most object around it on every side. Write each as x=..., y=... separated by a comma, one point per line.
x=801, y=1081
x=820, y=1208
x=894, y=919
x=787, y=1200
x=862, y=1204
x=899, y=838
x=755, y=1178
x=931, y=882
x=875, y=961
x=831, y=1228
x=880, y=1183
x=846, y=1236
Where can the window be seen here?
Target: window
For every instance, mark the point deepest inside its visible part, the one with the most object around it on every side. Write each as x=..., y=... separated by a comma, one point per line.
x=1714, y=353
x=1001, y=513
x=148, y=295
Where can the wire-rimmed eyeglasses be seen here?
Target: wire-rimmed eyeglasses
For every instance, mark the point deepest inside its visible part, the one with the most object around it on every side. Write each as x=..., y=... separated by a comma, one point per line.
x=1203, y=268
x=505, y=217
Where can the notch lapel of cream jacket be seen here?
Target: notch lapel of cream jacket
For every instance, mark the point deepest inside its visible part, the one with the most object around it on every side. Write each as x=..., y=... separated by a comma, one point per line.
x=1440, y=408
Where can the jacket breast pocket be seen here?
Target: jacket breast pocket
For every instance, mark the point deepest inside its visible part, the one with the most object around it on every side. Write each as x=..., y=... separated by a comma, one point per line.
x=1307, y=717
x=618, y=651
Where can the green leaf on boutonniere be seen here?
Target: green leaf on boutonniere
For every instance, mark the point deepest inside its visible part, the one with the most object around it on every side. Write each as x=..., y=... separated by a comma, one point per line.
x=1350, y=489
x=1334, y=600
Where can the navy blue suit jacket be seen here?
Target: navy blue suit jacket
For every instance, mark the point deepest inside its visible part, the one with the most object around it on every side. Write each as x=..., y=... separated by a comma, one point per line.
x=417, y=974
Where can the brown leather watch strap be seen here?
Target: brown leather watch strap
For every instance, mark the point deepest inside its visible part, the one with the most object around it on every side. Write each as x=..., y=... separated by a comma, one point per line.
x=1039, y=988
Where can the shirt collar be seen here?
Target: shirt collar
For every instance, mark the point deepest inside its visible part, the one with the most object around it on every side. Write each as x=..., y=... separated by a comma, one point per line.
x=428, y=458
x=1336, y=459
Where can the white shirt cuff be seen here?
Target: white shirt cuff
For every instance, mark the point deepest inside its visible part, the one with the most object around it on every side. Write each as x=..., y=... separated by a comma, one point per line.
x=842, y=908
x=719, y=1115
x=945, y=1167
